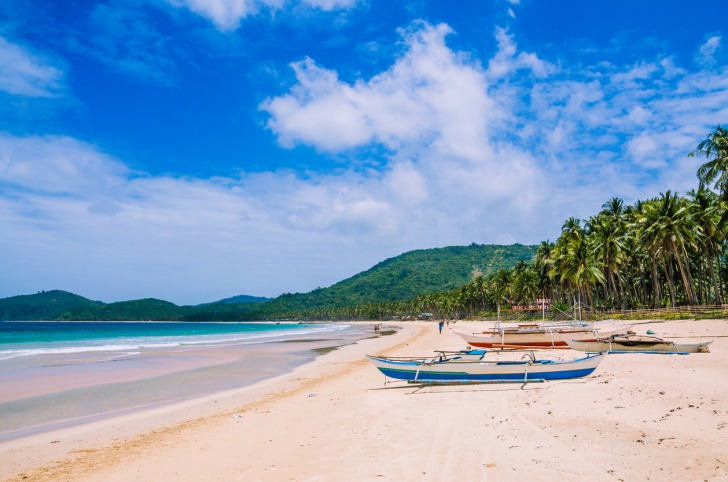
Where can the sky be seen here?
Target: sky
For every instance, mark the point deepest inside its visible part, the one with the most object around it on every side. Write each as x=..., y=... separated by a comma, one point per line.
x=192, y=150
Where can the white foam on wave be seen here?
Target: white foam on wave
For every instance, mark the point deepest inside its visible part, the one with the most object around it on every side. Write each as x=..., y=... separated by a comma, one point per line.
x=8, y=354
x=136, y=343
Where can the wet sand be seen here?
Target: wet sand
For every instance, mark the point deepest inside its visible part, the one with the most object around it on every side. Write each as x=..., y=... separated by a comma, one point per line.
x=47, y=392
x=638, y=417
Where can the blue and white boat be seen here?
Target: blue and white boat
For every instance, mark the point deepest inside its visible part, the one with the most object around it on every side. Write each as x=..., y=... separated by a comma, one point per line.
x=470, y=366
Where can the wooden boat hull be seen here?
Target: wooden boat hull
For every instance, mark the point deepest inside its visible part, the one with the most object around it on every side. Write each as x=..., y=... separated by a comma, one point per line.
x=532, y=338
x=605, y=346
x=417, y=370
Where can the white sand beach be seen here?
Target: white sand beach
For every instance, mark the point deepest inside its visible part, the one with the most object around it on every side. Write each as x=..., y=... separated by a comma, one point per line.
x=638, y=417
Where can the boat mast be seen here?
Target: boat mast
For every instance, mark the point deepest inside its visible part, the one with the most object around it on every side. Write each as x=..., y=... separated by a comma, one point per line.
x=579, y=306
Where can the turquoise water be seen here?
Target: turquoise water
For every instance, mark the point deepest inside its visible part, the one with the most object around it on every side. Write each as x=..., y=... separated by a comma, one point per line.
x=21, y=339
x=58, y=374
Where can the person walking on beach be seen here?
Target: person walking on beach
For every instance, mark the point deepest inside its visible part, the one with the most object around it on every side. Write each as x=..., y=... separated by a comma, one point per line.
x=439, y=325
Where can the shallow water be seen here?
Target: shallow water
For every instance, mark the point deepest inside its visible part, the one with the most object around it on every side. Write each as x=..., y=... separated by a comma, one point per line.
x=51, y=388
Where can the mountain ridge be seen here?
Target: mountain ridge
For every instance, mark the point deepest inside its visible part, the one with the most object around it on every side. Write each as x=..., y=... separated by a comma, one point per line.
x=406, y=276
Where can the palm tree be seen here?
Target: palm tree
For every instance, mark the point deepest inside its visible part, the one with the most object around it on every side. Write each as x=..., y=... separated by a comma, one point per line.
x=607, y=240
x=644, y=250
x=580, y=268
x=668, y=227
x=715, y=146
x=500, y=287
x=542, y=262
x=705, y=209
x=614, y=207
x=525, y=285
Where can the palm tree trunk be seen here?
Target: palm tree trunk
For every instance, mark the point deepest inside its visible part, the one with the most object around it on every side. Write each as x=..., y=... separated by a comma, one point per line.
x=656, y=285
x=711, y=273
x=670, y=280
x=612, y=285
x=684, y=274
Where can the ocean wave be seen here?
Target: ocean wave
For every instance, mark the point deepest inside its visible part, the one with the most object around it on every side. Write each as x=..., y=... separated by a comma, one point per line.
x=122, y=344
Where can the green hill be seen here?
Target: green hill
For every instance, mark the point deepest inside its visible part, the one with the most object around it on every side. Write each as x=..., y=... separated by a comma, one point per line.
x=45, y=305
x=403, y=277
x=411, y=274
x=242, y=299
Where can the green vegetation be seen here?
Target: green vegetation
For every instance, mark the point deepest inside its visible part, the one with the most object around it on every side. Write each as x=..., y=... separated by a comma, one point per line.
x=46, y=305
x=365, y=295
x=412, y=274
x=242, y=299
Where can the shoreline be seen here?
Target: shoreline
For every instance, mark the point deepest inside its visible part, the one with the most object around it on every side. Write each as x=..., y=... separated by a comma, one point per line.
x=636, y=417
x=55, y=391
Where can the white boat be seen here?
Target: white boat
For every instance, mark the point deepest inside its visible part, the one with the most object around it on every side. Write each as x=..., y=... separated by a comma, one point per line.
x=471, y=367
x=540, y=335
x=632, y=343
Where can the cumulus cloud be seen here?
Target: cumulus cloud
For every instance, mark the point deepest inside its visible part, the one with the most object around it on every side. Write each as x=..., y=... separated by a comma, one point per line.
x=430, y=95
x=434, y=111
x=27, y=74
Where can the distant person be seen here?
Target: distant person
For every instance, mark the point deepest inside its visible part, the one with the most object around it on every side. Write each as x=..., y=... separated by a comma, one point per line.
x=439, y=325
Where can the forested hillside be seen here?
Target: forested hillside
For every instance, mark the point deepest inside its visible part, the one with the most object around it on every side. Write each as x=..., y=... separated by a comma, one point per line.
x=45, y=305
x=412, y=274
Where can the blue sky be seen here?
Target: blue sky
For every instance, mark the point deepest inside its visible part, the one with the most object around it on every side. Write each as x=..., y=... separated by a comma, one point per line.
x=192, y=150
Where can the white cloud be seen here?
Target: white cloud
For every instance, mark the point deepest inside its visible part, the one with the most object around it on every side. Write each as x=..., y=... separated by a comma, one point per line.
x=227, y=14
x=57, y=165
x=639, y=115
x=27, y=74
x=640, y=121
x=707, y=50
x=328, y=5
x=640, y=72
x=430, y=95
x=507, y=61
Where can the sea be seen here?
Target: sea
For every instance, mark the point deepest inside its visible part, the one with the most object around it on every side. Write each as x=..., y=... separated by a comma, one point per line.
x=59, y=374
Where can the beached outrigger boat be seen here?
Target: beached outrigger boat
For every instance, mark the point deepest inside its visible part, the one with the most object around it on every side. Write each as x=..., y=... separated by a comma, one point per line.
x=469, y=366
x=632, y=343
x=539, y=335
